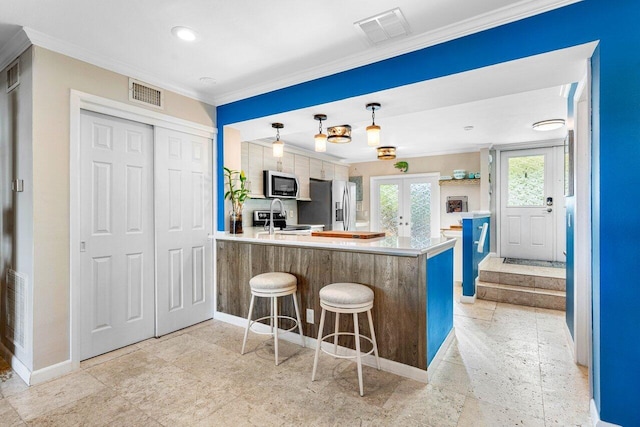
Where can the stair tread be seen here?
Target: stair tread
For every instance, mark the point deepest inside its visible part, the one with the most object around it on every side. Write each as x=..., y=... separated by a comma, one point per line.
x=524, y=289
x=523, y=273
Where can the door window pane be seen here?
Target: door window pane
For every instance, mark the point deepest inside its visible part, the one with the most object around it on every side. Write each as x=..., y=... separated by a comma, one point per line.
x=526, y=181
x=389, y=203
x=420, y=195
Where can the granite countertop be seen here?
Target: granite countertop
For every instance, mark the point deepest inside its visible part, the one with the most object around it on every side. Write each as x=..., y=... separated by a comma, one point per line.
x=399, y=246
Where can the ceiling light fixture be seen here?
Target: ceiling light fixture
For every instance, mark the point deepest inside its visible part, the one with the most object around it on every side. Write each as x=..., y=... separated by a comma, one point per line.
x=339, y=134
x=184, y=33
x=277, y=145
x=386, y=153
x=373, y=131
x=320, y=138
x=546, y=125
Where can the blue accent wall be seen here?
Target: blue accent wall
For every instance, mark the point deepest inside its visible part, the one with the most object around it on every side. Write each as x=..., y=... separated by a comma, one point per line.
x=439, y=301
x=616, y=148
x=471, y=258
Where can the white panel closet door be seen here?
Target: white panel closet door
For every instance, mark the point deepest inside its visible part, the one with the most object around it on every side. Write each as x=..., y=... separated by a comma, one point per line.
x=116, y=229
x=183, y=223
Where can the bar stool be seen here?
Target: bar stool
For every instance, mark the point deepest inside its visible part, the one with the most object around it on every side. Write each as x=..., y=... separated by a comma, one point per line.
x=350, y=298
x=273, y=285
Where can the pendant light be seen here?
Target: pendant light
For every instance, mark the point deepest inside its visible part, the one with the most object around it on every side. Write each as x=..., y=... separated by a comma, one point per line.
x=277, y=145
x=320, y=138
x=373, y=131
x=386, y=153
x=339, y=134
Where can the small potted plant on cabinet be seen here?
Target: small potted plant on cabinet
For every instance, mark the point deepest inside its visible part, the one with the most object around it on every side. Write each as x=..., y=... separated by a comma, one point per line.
x=237, y=193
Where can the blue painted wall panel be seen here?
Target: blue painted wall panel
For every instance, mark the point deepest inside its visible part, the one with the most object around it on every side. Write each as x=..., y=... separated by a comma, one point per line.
x=471, y=258
x=439, y=301
x=616, y=148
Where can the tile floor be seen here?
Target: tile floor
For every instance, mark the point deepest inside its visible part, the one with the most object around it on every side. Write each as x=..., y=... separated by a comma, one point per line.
x=509, y=365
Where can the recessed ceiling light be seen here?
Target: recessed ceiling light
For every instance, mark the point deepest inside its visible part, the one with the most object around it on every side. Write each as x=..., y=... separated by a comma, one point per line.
x=184, y=33
x=468, y=128
x=207, y=81
x=546, y=125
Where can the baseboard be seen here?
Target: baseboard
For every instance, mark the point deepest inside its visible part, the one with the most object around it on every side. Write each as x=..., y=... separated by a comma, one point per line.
x=368, y=360
x=470, y=299
x=595, y=417
x=50, y=372
x=23, y=372
x=437, y=359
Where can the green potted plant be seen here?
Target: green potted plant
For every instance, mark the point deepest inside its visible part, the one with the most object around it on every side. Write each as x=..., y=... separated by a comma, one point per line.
x=237, y=193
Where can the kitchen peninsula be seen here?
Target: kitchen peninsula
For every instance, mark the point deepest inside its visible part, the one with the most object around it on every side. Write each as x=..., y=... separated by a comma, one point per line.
x=412, y=280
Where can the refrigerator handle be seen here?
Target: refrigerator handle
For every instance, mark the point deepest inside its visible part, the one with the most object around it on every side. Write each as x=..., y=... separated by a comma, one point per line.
x=347, y=205
x=345, y=210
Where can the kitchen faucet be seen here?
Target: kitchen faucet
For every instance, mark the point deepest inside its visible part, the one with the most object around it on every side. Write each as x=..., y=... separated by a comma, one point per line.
x=273, y=202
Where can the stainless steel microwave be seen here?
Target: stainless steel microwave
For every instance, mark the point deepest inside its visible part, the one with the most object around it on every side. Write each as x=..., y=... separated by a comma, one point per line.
x=280, y=184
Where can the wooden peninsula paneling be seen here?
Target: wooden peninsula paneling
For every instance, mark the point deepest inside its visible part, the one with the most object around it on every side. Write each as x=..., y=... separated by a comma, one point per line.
x=398, y=282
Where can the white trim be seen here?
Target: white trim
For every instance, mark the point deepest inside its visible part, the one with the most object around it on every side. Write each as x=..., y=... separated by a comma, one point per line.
x=13, y=49
x=110, y=107
x=582, y=322
x=50, y=372
x=530, y=145
x=74, y=51
x=492, y=19
x=78, y=101
x=23, y=372
x=595, y=417
x=468, y=300
x=369, y=360
x=439, y=357
x=457, y=150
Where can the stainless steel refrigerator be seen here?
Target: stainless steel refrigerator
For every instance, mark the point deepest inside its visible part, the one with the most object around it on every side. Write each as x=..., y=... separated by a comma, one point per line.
x=333, y=204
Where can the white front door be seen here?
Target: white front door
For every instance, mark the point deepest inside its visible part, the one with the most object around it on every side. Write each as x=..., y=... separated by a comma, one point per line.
x=528, y=201
x=406, y=207
x=183, y=223
x=116, y=232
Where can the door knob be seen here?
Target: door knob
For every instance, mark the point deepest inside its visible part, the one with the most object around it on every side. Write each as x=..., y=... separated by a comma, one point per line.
x=549, y=209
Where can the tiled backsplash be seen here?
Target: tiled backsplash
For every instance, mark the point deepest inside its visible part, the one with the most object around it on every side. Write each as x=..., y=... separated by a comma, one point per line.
x=264, y=205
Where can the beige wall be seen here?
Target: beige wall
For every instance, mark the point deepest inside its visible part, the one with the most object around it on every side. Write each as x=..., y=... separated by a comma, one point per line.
x=444, y=164
x=54, y=76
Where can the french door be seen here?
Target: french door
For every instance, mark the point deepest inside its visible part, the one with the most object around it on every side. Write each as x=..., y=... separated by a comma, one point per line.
x=530, y=194
x=406, y=206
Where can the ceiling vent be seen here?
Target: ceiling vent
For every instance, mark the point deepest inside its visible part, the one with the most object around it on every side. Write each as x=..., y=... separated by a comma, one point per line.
x=146, y=94
x=13, y=76
x=384, y=26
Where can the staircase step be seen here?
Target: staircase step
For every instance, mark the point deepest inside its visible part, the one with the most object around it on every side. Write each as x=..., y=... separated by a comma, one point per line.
x=522, y=295
x=523, y=280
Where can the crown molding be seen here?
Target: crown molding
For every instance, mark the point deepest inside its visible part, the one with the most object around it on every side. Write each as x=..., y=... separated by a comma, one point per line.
x=13, y=48
x=467, y=149
x=74, y=51
x=496, y=18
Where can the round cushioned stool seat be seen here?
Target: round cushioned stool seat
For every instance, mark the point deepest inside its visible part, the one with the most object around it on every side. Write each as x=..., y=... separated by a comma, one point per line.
x=346, y=295
x=273, y=282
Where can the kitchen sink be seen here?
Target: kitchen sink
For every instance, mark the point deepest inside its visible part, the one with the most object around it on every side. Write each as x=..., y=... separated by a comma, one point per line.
x=296, y=228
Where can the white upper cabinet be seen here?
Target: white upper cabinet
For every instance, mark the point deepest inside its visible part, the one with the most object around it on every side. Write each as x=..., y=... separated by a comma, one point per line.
x=341, y=173
x=315, y=169
x=270, y=162
x=255, y=166
x=301, y=169
x=256, y=158
x=288, y=163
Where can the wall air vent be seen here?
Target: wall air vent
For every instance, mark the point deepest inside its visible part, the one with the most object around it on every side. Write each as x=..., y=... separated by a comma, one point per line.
x=15, y=307
x=146, y=94
x=384, y=26
x=13, y=76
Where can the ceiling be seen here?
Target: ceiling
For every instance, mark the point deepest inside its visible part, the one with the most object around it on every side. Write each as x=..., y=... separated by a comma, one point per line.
x=250, y=47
